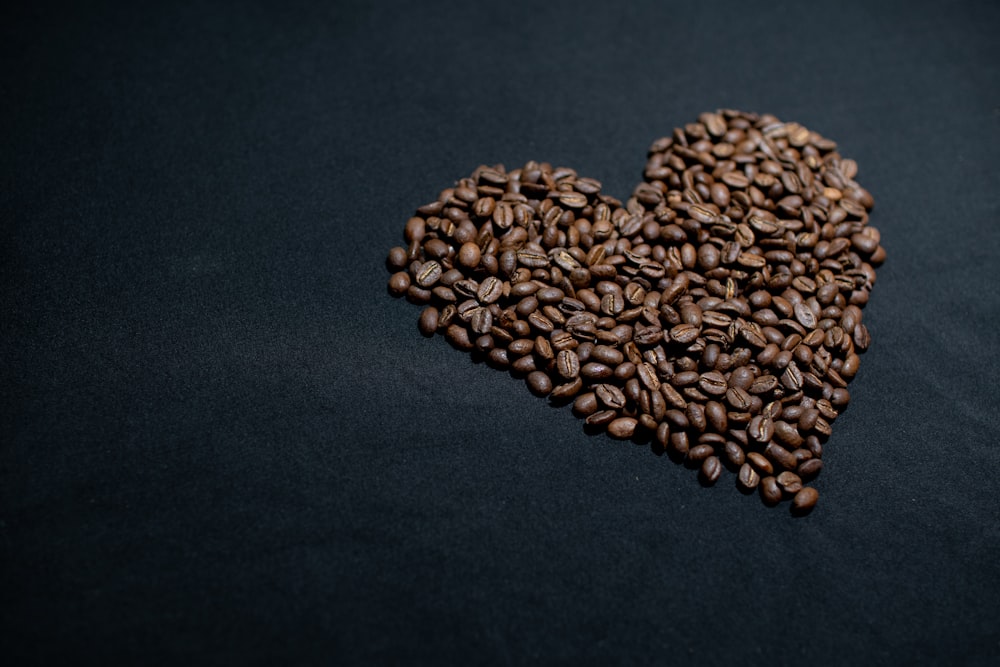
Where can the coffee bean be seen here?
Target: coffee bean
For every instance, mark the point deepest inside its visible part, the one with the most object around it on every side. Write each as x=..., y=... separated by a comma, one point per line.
x=781, y=456
x=399, y=283
x=585, y=404
x=684, y=333
x=761, y=429
x=610, y=395
x=810, y=468
x=759, y=462
x=623, y=427
x=539, y=383
x=428, y=322
x=713, y=383
x=770, y=492
x=790, y=482
x=734, y=453
x=568, y=364
x=601, y=418
x=711, y=469
x=805, y=499
x=738, y=398
x=748, y=477
x=596, y=371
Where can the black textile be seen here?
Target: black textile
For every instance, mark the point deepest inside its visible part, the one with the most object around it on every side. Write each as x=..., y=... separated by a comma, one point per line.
x=221, y=441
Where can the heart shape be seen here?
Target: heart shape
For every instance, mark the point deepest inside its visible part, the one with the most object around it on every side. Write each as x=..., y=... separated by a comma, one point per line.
x=717, y=311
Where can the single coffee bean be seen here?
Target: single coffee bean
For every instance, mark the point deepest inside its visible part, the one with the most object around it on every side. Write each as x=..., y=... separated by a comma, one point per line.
x=805, y=499
x=770, y=492
x=734, y=453
x=810, y=468
x=738, y=399
x=428, y=322
x=781, y=456
x=758, y=461
x=585, y=404
x=596, y=371
x=610, y=395
x=601, y=418
x=711, y=469
x=748, y=477
x=713, y=383
x=623, y=427
x=539, y=383
x=790, y=482
x=701, y=452
x=399, y=283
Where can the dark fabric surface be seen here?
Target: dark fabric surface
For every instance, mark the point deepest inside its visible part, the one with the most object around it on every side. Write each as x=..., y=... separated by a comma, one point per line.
x=223, y=442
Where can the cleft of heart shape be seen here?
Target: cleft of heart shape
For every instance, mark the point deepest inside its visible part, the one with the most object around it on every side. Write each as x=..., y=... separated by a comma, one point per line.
x=716, y=313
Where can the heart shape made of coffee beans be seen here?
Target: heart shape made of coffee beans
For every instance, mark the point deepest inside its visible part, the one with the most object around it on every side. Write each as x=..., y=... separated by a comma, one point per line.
x=716, y=313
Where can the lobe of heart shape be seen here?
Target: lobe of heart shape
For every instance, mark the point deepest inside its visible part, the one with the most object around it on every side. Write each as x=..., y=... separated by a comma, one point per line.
x=715, y=314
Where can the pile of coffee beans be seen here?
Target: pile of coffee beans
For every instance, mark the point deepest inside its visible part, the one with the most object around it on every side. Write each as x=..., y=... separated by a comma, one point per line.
x=717, y=312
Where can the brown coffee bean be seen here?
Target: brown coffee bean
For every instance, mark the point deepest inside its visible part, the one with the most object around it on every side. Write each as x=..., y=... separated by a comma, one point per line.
x=759, y=462
x=428, y=322
x=748, y=477
x=810, y=468
x=711, y=469
x=700, y=452
x=805, y=499
x=734, y=453
x=738, y=398
x=781, y=456
x=601, y=418
x=610, y=395
x=585, y=404
x=568, y=364
x=713, y=383
x=761, y=429
x=539, y=383
x=789, y=481
x=770, y=492
x=623, y=427
x=399, y=283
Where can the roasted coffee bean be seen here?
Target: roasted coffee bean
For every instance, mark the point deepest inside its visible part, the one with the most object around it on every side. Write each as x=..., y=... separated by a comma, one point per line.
x=770, y=492
x=711, y=469
x=568, y=364
x=623, y=427
x=701, y=452
x=539, y=383
x=805, y=499
x=713, y=383
x=810, y=468
x=610, y=396
x=781, y=456
x=738, y=398
x=761, y=429
x=585, y=404
x=399, y=283
x=734, y=453
x=748, y=477
x=490, y=290
x=428, y=322
x=789, y=482
x=602, y=418
x=759, y=462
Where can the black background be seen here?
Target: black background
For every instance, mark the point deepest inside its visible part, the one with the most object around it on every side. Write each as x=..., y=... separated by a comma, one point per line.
x=223, y=442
